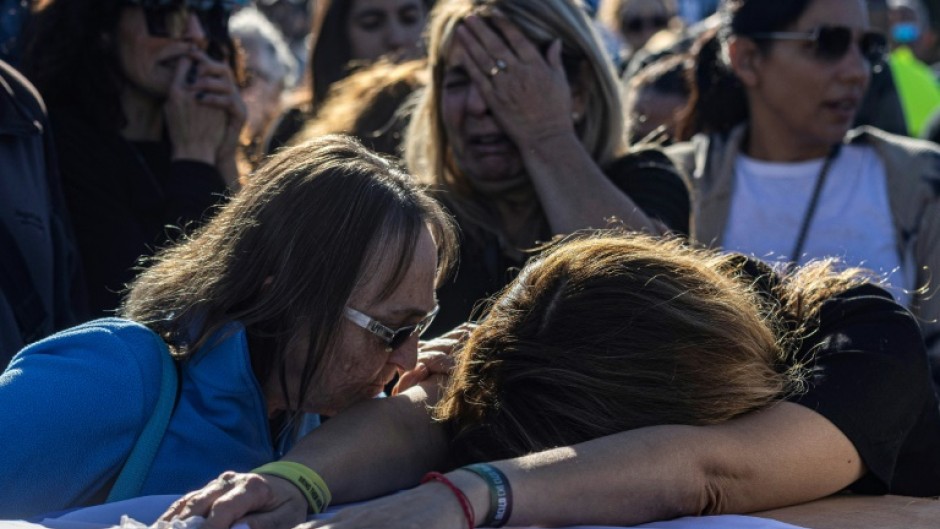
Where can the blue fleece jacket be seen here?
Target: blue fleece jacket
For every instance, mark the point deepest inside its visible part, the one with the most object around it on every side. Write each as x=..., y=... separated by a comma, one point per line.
x=73, y=405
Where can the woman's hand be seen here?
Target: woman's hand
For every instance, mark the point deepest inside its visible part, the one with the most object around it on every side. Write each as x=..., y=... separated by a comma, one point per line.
x=435, y=357
x=431, y=505
x=527, y=93
x=262, y=501
x=196, y=130
x=205, y=113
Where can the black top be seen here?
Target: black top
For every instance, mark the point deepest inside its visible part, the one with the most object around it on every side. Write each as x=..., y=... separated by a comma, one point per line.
x=40, y=281
x=125, y=199
x=870, y=356
x=647, y=176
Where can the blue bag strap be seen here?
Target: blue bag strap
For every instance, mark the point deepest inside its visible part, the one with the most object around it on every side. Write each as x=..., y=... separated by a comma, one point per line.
x=138, y=463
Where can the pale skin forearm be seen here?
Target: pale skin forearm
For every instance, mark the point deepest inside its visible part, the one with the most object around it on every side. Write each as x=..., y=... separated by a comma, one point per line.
x=782, y=456
x=574, y=192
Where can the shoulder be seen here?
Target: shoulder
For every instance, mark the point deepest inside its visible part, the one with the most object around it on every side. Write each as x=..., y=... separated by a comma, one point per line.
x=108, y=342
x=643, y=158
x=651, y=179
x=902, y=155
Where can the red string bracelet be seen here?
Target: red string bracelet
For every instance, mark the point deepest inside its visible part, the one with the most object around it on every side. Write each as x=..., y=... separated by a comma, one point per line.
x=461, y=497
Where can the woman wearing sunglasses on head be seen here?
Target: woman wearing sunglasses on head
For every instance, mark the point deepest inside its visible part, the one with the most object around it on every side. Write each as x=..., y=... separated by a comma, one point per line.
x=304, y=295
x=146, y=116
x=778, y=174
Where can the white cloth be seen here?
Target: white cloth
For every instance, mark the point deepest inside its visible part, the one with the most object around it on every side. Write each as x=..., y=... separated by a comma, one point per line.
x=146, y=509
x=852, y=221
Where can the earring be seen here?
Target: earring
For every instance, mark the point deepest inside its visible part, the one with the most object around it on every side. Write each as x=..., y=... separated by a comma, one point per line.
x=575, y=116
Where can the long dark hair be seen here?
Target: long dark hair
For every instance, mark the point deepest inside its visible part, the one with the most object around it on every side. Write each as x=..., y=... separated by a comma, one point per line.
x=284, y=255
x=71, y=57
x=718, y=101
x=330, y=50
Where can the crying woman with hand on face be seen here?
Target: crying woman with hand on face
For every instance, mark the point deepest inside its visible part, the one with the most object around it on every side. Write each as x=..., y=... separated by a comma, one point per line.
x=146, y=116
x=520, y=134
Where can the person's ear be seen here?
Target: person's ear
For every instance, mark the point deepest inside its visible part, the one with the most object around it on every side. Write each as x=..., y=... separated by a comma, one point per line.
x=745, y=58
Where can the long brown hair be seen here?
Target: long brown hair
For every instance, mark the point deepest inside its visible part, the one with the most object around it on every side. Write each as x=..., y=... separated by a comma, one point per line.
x=285, y=254
x=613, y=332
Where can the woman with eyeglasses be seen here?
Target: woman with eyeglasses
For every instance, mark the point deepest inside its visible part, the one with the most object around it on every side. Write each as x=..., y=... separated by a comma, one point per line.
x=146, y=117
x=622, y=379
x=778, y=174
x=303, y=295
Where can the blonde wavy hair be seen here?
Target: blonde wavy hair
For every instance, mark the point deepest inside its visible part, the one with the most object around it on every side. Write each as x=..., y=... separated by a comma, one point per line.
x=541, y=21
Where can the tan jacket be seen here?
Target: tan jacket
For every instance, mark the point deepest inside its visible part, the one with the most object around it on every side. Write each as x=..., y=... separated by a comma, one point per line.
x=913, y=172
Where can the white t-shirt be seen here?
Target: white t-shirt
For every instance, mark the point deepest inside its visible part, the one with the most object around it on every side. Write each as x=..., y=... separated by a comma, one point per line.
x=852, y=220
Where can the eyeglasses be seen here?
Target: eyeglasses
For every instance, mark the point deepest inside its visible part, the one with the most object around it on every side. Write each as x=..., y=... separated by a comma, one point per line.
x=638, y=24
x=170, y=18
x=831, y=43
x=393, y=338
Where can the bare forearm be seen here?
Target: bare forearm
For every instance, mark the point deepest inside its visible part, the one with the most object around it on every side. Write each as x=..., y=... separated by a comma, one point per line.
x=376, y=447
x=574, y=192
x=783, y=456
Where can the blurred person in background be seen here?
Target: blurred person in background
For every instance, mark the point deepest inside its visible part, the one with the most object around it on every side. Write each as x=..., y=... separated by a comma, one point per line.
x=41, y=289
x=777, y=171
x=146, y=116
x=270, y=72
x=348, y=34
x=635, y=21
x=370, y=104
x=654, y=99
x=292, y=17
x=911, y=39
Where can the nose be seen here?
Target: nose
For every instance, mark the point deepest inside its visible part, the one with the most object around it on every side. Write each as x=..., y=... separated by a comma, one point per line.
x=476, y=105
x=194, y=31
x=397, y=37
x=405, y=358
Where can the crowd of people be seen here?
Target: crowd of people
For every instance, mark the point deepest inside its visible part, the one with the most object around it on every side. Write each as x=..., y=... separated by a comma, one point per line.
x=681, y=257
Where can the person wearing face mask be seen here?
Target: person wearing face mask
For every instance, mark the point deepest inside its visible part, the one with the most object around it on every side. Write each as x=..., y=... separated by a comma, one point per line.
x=146, y=117
x=347, y=34
x=304, y=295
x=917, y=84
x=778, y=172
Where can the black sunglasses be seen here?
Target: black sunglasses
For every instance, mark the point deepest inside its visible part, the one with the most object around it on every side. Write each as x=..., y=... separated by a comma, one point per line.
x=638, y=24
x=831, y=43
x=170, y=18
x=393, y=338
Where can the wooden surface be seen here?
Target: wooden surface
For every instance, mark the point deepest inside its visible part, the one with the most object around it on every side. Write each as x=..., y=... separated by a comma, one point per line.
x=862, y=512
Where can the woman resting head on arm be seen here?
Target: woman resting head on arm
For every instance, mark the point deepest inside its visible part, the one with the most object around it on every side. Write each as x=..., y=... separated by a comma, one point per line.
x=612, y=333
x=301, y=297
x=656, y=381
